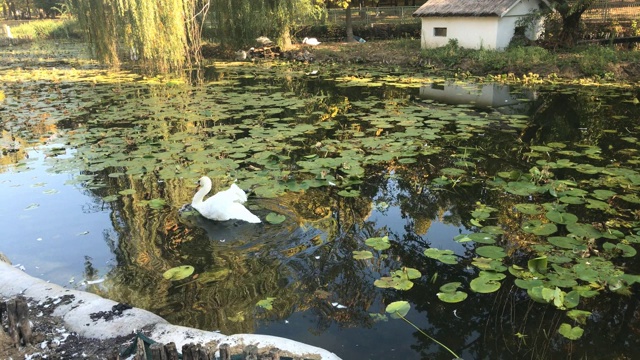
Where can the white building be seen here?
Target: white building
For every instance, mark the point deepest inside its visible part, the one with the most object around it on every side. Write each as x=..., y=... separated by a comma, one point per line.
x=475, y=24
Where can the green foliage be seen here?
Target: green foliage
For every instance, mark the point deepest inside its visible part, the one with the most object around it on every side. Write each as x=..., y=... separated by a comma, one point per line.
x=596, y=60
x=134, y=25
x=47, y=29
x=245, y=20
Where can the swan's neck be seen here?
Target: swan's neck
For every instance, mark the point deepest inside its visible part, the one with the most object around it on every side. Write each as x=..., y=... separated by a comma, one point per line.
x=199, y=196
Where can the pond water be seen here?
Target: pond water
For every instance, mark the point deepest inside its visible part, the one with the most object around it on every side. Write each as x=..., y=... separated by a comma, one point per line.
x=464, y=201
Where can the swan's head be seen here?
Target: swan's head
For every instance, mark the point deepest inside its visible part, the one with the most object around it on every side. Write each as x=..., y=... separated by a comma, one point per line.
x=304, y=41
x=204, y=181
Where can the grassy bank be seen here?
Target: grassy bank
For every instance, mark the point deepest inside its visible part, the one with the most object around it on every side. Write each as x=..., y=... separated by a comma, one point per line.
x=53, y=29
x=593, y=61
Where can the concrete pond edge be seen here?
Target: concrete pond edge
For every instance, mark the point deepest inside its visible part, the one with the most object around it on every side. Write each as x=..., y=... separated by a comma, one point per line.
x=75, y=308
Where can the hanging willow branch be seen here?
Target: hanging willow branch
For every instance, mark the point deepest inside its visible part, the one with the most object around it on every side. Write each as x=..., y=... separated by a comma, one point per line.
x=162, y=35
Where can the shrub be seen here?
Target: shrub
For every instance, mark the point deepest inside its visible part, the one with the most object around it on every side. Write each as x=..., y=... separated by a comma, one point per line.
x=47, y=29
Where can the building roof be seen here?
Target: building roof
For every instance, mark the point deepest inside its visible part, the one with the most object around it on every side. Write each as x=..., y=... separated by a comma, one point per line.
x=466, y=8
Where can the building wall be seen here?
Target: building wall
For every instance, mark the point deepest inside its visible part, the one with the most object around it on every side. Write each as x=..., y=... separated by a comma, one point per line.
x=490, y=32
x=471, y=32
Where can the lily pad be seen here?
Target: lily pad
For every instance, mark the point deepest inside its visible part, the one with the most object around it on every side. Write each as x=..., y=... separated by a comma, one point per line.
x=273, y=218
x=484, y=285
x=178, y=272
x=537, y=227
x=538, y=265
x=580, y=316
x=266, y=304
x=571, y=333
x=482, y=238
x=561, y=217
x=362, y=255
x=445, y=256
x=378, y=243
x=564, y=242
x=450, y=287
x=584, y=230
x=492, y=252
x=529, y=209
x=452, y=297
x=398, y=309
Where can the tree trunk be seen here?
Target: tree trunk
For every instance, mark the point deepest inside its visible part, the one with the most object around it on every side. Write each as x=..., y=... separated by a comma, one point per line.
x=571, y=15
x=570, y=32
x=349, y=24
x=285, y=36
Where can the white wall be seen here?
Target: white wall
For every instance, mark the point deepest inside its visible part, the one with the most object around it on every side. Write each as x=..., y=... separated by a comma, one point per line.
x=471, y=32
x=488, y=32
x=506, y=29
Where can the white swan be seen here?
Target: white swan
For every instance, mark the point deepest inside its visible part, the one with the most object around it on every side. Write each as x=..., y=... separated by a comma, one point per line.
x=224, y=205
x=311, y=41
x=264, y=41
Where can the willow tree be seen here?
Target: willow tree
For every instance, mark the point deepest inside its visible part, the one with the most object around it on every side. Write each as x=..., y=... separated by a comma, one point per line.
x=162, y=35
x=240, y=22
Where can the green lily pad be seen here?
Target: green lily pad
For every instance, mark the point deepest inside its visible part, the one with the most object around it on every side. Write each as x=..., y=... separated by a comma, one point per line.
x=452, y=297
x=387, y=282
x=110, y=198
x=580, y=316
x=484, y=285
x=362, y=255
x=407, y=273
x=453, y=172
x=445, y=256
x=627, y=250
x=492, y=252
x=603, y=194
x=465, y=238
x=538, y=265
x=528, y=283
x=529, y=209
x=483, y=238
x=521, y=188
x=537, y=227
x=571, y=333
x=156, y=203
x=266, y=304
x=127, y=192
x=564, y=242
x=571, y=200
x=572, y=299
x=349, y=193
x=561, y=217
x=398, y=309
x=378, y=243
x=584, y=230
x=492, y=275
x=484, y=263
x=450, y=287
x=178, y=272
x=275, y=219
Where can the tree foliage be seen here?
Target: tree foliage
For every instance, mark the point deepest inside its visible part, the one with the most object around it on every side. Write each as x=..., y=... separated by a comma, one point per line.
x=570, y=12
x=163, y=35
x=239, y=22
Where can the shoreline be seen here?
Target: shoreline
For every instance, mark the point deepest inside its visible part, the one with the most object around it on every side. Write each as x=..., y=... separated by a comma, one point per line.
x=71, y=314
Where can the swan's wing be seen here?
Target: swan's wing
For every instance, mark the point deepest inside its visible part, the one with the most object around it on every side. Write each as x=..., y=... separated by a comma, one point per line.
x=238, y=195
x=239, y=212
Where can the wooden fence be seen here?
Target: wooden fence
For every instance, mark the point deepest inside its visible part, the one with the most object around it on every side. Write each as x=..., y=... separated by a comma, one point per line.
x=607, y=11
x=370, y=15
x=601, y=11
